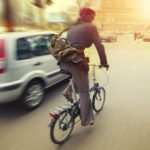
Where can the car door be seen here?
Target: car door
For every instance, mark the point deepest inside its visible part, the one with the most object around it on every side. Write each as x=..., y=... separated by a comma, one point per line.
x=20, y=64
x=43, y=60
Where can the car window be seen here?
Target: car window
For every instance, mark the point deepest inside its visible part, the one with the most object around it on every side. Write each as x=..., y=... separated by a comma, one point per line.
x=39, y=45
x=23, y=49
x=32, y=46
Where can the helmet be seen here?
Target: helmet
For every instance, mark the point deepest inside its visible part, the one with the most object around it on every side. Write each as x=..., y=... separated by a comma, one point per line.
x=87, y=11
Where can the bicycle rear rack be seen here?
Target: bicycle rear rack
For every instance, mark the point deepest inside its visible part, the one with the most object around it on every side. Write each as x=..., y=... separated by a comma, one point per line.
x=57, y=110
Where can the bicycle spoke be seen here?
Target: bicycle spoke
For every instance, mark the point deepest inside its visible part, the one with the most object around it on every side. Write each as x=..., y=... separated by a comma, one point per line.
x=62, y=128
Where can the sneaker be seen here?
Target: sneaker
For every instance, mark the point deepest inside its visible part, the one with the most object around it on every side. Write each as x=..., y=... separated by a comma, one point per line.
x=68, y=96
x=87, y=123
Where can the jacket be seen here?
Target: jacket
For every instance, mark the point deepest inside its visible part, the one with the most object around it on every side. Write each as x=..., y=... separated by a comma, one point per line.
x=82, y=35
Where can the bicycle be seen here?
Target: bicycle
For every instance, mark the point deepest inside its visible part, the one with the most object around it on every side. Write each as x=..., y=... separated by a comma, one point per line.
x=64, y=116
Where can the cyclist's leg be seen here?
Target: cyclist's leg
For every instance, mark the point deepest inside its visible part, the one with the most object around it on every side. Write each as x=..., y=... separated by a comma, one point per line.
x=81, y=81
x=68, y=93
x=68, y=90
x=69, y=87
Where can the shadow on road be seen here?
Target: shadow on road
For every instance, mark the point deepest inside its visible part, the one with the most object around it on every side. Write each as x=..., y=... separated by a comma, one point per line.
x=13, y=110
x=77, y=138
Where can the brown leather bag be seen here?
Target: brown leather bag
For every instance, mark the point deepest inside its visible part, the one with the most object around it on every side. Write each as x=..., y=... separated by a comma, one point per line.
x=83, y=64
x=61, y=49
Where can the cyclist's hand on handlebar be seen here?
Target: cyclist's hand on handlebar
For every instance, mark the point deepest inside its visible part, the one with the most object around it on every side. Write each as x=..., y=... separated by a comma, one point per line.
x=105, y=66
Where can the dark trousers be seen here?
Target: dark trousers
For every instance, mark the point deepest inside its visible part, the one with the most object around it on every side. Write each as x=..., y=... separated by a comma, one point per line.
x=81, y=82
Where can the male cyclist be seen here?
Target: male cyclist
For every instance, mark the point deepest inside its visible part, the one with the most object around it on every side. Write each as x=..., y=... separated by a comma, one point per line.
x=81, y=35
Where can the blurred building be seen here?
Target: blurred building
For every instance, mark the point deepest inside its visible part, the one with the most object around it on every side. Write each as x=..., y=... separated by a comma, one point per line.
x=24, y=13
x=1, y=10
x=27, y=14
x=123, y=15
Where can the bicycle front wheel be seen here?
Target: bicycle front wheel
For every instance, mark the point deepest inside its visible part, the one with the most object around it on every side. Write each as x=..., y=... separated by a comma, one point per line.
x=99, y=99
x=61, y=128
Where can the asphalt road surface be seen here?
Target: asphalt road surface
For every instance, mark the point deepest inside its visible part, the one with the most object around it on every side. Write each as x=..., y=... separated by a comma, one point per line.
x=124, y=122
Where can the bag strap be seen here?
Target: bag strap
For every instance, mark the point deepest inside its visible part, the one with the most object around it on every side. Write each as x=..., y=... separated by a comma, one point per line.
x=64, y=38
x=66, y=29
x=63, y=31
x=58, y=35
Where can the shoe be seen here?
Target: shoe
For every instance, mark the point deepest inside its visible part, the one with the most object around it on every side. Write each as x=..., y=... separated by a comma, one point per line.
x=68, y=96
x=87, y=123
x=91, y=122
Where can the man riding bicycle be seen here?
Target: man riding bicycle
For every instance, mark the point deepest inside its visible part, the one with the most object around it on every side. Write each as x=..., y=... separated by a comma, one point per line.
x=82, y=35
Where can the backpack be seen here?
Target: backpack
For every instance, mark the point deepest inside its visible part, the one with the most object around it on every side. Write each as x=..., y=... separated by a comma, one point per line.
x=62, y=51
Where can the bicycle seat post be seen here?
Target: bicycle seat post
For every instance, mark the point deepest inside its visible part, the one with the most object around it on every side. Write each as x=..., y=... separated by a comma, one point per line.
x=73, y=90
x=93, y=74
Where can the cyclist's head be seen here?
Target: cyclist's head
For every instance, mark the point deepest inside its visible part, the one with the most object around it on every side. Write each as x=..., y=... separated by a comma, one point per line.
x=87, y=14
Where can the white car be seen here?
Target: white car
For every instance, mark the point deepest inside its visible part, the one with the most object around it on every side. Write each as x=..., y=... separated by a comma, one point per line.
x=26, y=68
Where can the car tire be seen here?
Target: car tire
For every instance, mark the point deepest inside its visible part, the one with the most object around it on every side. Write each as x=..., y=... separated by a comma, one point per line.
x=33, y=95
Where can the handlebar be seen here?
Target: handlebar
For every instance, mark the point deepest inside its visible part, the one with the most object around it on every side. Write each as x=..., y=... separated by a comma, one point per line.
x=94, y=65
x=94, y=72
x=100, y=66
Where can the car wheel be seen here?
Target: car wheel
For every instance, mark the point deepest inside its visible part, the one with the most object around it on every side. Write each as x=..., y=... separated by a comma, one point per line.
x=33, y=95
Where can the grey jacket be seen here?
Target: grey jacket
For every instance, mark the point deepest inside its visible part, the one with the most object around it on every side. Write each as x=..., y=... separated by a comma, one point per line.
x=82, y=35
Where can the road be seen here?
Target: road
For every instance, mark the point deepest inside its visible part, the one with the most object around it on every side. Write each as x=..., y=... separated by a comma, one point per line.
x=124, y=122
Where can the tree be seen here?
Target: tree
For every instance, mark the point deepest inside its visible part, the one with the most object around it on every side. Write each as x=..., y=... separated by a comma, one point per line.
x=7, y=15
x=8, y=12
x=40, y=4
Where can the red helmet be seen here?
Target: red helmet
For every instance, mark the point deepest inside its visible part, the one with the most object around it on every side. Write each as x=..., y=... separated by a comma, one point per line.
x=87, y=11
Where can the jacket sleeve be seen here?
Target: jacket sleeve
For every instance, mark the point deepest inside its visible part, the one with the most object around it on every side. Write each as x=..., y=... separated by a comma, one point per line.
x=99, y=46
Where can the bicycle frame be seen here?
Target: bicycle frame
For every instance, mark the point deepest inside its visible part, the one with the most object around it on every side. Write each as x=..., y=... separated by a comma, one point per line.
x=73, y=90
x=95, y=84
x=93, y=88
x=75, y=105
x=73, y=109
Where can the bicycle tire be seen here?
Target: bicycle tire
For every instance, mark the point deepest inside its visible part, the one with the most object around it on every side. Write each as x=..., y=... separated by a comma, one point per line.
x=52, y=129
x=97, y=97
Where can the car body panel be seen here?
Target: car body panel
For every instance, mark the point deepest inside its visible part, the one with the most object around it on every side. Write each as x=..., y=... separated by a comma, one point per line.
x=19, y=73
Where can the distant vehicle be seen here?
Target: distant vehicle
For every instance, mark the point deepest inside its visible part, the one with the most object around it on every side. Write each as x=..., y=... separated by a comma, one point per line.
x=26, y=68
x=108, y=36
x=119, y=32
x=146, y=37
x=138, y=35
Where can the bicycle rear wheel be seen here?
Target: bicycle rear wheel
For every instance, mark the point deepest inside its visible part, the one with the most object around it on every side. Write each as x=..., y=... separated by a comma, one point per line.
x=61, y=128
x=99, y=99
